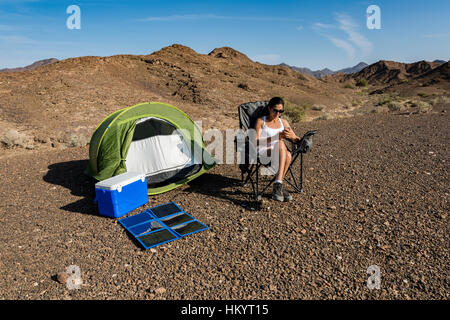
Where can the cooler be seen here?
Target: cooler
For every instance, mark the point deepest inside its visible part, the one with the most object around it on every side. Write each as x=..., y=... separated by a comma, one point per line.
x=121, y=194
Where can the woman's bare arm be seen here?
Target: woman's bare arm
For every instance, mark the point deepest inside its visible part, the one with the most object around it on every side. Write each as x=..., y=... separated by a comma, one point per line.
x=258, y=128
x=288, y=133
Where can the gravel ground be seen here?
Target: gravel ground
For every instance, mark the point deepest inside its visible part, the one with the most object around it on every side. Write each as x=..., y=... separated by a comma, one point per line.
x=376, y=193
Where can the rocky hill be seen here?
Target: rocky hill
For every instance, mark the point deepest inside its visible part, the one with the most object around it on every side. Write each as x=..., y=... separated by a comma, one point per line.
x=58, y=101
x=390, y=72
x=61, y=103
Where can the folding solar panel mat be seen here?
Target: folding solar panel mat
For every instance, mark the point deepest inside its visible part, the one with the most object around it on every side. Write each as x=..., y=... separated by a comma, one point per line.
x=188, y=228
x=136, y=219
x=176, y=219
x=158, y=237
x=165, y=210
x=146, y=227
x=161, y=224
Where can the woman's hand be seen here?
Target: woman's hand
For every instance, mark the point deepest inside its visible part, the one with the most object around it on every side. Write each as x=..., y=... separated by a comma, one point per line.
x=288, y=133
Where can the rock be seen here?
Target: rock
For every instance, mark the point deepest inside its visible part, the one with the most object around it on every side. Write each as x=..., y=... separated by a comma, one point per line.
x=160, y=290
x=62, y=277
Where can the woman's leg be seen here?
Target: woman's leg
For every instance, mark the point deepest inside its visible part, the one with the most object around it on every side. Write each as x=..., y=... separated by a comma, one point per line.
x=288, y=160
x=282, y=160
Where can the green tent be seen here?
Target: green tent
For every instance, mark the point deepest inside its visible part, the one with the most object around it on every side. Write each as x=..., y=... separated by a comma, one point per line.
x=153, y=138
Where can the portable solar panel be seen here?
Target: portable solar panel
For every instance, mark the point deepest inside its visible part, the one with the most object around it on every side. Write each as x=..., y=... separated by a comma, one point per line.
x=161, y=224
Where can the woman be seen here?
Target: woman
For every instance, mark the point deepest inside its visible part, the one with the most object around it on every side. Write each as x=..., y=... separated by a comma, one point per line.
x=270, y=132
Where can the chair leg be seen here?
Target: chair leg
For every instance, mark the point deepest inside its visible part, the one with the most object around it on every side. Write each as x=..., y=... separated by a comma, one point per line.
x=268, y=185
x=257, y=195
x=293, y=178
x=250, y=177
x=294, y=184
x=301, y=172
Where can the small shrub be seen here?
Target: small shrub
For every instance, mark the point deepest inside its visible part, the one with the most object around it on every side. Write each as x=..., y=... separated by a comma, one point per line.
x=362, y=83
x=295, y=112
x=326, y=116
x=12, y=138
x=396, y=106
x=317, y=107
x=348, y=86
x=382, y=109
x=441, y=100
x=384, y=101
x=78, y=140
x=423, y=106
x=423, y=95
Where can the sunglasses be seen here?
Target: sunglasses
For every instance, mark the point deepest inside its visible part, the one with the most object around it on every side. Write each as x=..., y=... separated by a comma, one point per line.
x=279, y=111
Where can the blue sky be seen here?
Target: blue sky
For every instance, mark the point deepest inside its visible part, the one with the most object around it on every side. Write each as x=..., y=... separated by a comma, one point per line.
x=305, y=33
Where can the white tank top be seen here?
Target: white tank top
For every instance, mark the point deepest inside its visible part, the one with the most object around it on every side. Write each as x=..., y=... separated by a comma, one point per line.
x=270, y=133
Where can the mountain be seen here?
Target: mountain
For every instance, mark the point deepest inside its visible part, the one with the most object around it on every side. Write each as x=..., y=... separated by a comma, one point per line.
x=68, y=98
x=326, y=72
x=32, y=66
x=391, y=72
x=298, y=69
x=322, y=73
x=439, y=75
x=353, y=69
x=65, y=100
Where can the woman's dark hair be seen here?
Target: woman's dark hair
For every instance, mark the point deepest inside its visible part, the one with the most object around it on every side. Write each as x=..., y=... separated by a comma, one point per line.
x=272, y=103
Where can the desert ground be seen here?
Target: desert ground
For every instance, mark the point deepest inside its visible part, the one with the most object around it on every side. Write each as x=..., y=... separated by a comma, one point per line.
x=376, y=186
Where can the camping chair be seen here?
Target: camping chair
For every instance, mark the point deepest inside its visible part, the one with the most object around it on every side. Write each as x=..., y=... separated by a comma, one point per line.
x=250, y=162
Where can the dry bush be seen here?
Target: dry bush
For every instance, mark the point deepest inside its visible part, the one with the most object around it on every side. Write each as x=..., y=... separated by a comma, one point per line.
x=382, y=109
x=295, y=112
x=78, y=140
x=326, y=116
x=13, y=138
x=396, y=106
x=362, y=83
x=441, y=100
x=317, y=107
x=385, y=100
x=423, y=106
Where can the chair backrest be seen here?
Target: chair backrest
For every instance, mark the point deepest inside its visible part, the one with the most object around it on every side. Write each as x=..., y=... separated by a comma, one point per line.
x=249, y=112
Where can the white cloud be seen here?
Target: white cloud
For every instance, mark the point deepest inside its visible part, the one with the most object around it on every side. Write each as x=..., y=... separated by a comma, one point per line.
x=354, y=39
x=299, y=28
x=347, y=47
x=323, y=26
x=347, y=25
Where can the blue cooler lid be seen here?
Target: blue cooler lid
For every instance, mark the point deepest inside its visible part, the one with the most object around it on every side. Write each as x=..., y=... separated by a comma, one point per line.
x=117, y=182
